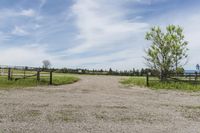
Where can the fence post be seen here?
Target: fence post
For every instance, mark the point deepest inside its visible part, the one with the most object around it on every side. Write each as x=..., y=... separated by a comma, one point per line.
x=24, y=73
x=9, y=73
x=196, y=77
x=147, y=79
x=38, y=75
x=50, y=78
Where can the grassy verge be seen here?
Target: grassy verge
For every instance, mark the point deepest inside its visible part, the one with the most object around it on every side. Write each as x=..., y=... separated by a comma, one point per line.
x=32, y=82
x=156, y=84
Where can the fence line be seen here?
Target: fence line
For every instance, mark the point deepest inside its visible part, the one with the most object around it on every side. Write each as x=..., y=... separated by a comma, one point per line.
x=193, y=78
x=21, y=72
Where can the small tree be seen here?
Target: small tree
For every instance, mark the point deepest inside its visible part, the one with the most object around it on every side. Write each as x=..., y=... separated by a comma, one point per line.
x=110, y=71
x=46, y=64
x=167, y=51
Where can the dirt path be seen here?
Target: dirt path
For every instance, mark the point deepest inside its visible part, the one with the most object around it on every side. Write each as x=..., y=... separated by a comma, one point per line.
x=98, y=104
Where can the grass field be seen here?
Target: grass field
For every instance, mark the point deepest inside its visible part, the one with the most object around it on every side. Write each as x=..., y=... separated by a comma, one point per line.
x=156, y=84
x=58, y=79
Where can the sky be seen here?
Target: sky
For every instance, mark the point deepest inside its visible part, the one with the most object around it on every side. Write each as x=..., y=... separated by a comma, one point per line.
x=92, y=34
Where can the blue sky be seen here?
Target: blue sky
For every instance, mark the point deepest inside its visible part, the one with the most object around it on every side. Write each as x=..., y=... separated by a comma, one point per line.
x=90, y=33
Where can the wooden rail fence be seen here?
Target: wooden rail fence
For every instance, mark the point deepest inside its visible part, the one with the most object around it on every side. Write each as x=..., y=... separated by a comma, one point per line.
x=19, y=73
x=192, y=78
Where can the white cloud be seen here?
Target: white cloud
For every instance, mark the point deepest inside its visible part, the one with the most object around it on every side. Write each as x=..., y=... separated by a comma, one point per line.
x=27, y=13
x=6, y=13
x=26, y=55
x=149, y=2
x=103, y=28
x=117, y=60
x=19, y=31
x=106, y=38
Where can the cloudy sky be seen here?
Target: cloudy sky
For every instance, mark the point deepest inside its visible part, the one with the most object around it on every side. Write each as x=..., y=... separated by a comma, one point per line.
x=91, y=33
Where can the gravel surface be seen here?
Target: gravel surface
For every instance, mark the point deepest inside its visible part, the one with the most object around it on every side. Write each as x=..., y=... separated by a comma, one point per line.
x=98, y=104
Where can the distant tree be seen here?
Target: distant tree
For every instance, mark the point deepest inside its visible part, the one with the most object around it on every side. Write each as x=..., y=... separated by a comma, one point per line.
x=25, y=68
x=142, y=72
x=167, y=51
x=110, y=71
x=137, y=72
x=46, y=64
x=133, y=71
x=197, y=67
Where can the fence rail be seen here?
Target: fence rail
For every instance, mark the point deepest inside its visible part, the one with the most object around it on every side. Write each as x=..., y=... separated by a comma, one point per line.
x=21, y=72
x=192, y=78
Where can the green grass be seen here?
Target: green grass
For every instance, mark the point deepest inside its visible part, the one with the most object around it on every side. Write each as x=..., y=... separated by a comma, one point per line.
x=60, y=79
x=139, y=81
x=156, y=84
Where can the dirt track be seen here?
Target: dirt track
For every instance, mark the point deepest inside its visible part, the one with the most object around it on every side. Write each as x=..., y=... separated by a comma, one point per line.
x=98, y=104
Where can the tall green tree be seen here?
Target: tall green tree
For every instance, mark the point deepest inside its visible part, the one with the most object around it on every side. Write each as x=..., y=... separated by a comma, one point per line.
x=167, y=51
x=178, y=45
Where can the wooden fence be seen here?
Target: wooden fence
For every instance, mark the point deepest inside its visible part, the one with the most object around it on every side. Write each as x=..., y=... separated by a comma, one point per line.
x=20, y=73
x=192, y=78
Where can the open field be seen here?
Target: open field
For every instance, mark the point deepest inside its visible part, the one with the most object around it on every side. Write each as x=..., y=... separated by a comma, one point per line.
x=98, y=104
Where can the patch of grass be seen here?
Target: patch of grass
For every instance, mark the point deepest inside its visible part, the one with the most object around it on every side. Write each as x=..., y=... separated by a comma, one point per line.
x=32, y=82
x=66, y=115
x=39, y=105
x=60, y=80
x=156, y=84
x=139, y=81
x=191, y=107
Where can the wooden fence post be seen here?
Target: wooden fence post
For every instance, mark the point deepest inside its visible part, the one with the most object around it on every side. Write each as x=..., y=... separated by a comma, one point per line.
x=147, y=79
x=50, y=78
x=196, y=77
x=9, y=73
x=38, y=75
x=24, y=73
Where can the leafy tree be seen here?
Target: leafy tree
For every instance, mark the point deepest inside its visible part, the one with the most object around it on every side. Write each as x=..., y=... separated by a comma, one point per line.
x=178, y=45
x=167, y=51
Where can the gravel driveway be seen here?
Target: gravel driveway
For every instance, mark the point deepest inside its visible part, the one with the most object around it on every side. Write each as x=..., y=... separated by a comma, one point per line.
x=98, y=104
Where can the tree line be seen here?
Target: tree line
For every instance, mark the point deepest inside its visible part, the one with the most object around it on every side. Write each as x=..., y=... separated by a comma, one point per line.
x=133, y=72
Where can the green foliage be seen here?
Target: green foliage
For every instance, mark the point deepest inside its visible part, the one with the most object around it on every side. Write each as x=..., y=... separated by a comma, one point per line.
x=140, y=81
x=156, y=84
x=64, y=80
x=180, y=70
x=168, y=49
